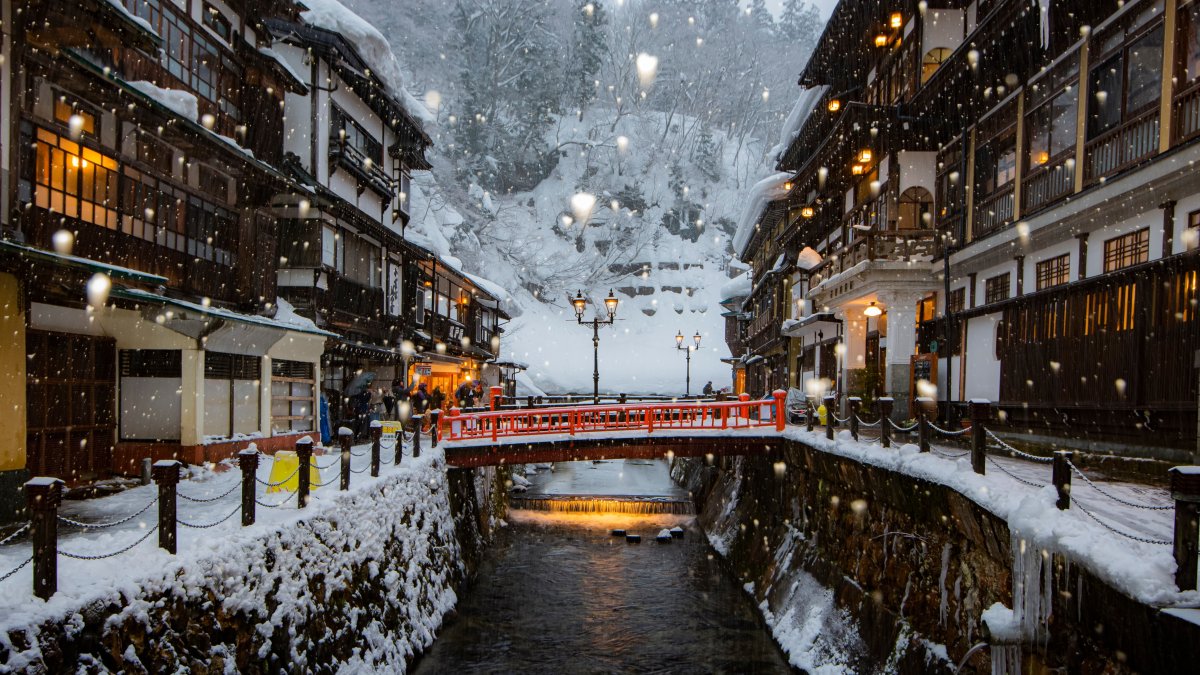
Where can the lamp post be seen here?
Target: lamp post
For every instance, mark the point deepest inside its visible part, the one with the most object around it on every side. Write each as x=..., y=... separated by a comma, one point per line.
x=687, y=391
x=610, y=305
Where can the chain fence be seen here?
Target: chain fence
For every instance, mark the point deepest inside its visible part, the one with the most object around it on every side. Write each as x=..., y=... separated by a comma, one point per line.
x=16, y=569
x=1023, y=455
x=1113, y=497
x=102, y=526
x=16, y=533
x=1110, y=528
x=102, y=556
x=212, y=524
x=209, y=500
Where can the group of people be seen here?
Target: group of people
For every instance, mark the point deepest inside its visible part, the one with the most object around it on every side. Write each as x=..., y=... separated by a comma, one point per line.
x=374, y=403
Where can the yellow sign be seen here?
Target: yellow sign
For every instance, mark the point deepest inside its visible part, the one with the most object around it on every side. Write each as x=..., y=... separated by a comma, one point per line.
x=284, y=467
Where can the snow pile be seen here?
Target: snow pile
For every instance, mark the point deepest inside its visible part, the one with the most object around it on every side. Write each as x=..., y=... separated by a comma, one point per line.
x=808, y=259
x=286, y=313
x=806, y=102
x=764, y=192
x=142, y=23
x=342, y=530
x=180, y=102
x=371, y=45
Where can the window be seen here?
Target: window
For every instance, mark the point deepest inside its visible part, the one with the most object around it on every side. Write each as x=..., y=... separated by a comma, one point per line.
x=1194, y=219
x=217, y=22
x=191, y=55
x=155, y=154
x=359, y=260
x=932, y=61
x=916, y=206
x=1126, y=250
x=1189, y=42
x=958, y=300
x=329, y=239
x=1054, y=271
x=1051, y=128
x=293, y=396
x=157, y=211
x=65, y=110
x=75, y=181
x=346, y=131
x=215, y=183
x=997, y=164
x=1128, y=78
x=997, y=288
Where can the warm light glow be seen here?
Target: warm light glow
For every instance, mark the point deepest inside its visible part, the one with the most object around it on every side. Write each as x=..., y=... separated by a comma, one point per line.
x=872, y=310
x=788, y=186
x=808, y=212
x=881, y=40
x=679, y=339
x=857, y=169
x=696, y=337
x=897, y=20
x=610, y=303
x=1043, y=157
x=580, y=303
x=834, y=105
x=864, y=156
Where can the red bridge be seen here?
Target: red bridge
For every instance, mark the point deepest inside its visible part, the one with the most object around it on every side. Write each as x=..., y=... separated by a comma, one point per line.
x=619, y=431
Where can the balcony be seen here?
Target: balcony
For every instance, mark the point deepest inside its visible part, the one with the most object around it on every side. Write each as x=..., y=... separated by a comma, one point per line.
x=368, y=172
x=889, y=245
x=994, y=211
x=1046, y=184
x=1122, y=147
x=1186, y=109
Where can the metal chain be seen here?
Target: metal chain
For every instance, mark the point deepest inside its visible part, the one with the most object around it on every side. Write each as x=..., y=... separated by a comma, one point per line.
x=101, y=526
x=268, y=484
x=358, y=454
x=1114, y=497
x=213, y=499
x=1110, y=528
x=868, y=424
x=362, y=470
x=1026, y=455
x=205, y=527
x=387, y=446
x=326, y=466
x=12, y=536
x=328, y=482
x=839, y=420
x=947, y=432
x=948, y=455
x=905, y=430
x=1015, y=476
x=113, y=554
x=16, y=569
x=275, y=506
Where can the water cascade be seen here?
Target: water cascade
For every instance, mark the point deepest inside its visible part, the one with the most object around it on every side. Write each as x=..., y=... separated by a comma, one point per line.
x=641, y=506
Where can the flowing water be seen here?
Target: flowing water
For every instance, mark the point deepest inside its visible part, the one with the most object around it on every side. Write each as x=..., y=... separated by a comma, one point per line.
x=558, y=593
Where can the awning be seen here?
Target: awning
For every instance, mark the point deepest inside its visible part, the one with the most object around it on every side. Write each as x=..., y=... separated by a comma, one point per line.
x=84, y=264
x=339, y=345
x=795, y=328
x=221, y=329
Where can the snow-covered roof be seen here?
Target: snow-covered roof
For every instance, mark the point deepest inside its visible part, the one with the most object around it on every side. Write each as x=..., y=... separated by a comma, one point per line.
x=220, y=313
x=806, y=102
x=737, y=287
x=488, y=286
x=764, y=192
x=371, y=45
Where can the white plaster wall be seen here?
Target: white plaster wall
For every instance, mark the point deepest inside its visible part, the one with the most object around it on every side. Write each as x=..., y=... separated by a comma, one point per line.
x=943, y=28
x=1152, y=219
x=216, y=407
x=1009, y=266
x=917, y=169
x=1185, y=206
x=150, y=408
x=1070, y=246
x=983, y=369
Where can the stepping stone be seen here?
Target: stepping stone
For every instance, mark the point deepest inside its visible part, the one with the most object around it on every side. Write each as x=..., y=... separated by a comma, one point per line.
x=618, y=533
x=633, y=538
x=677, y=532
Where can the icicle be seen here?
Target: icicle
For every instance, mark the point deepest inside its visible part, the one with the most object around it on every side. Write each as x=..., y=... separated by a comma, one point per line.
x=1044, y=15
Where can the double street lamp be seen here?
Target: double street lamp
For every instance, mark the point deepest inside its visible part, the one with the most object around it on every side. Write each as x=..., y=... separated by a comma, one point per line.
x=687, y=348
x=610, y=305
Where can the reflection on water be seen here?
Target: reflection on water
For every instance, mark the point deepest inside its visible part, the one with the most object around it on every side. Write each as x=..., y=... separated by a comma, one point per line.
x=558, y=594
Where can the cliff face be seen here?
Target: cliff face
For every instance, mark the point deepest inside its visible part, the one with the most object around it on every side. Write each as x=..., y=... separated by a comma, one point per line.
x=363, y=584
x=861, y=569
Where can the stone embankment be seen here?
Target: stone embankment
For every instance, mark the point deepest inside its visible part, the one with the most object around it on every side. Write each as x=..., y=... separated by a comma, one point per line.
x=862, y=568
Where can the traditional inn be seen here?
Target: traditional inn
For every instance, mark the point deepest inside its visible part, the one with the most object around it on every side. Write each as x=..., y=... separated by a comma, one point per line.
x=183, y=265
x=996, y=197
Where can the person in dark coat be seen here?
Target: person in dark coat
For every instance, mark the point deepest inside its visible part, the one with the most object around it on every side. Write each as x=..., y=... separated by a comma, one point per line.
x=464, y=395
x=708, y=390
x=420, y=399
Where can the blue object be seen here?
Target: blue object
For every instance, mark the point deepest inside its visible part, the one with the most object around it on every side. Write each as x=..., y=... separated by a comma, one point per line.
x=326, y=429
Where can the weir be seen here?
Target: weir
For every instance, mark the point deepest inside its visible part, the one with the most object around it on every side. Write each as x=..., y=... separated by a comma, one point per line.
x=625, y=504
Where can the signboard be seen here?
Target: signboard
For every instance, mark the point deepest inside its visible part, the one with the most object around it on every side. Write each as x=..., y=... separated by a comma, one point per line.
x=423, y=370
x=921, y=367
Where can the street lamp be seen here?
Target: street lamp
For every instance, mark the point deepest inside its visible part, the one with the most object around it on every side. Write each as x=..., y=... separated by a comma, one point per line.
x=687, y=348
x=610, y=305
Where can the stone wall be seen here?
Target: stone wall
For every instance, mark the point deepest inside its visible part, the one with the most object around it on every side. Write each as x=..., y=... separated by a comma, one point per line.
x=365, y=584
x=876, y=571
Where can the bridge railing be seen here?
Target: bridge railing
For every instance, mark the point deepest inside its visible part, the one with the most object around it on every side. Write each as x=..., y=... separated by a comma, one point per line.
x=649, y=417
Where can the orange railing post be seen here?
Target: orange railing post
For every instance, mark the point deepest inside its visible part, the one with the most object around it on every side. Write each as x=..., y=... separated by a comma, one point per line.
x=495, y=420
x=649, y=420
x=743, y=410
x=780, y=418
x=496, y=394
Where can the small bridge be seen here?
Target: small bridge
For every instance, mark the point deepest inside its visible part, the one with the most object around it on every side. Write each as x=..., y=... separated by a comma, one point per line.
x=617, y=431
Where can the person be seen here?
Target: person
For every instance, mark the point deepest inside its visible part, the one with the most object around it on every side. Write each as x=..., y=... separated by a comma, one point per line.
x=463, y=395
x=389, y=403
x=708, y=390
x=420, y=399
x=326, y=427
x=437, y=398
x=362, y=412
x=477, y=395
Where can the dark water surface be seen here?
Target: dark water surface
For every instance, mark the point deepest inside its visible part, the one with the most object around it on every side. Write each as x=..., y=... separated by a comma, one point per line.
x=558, y=594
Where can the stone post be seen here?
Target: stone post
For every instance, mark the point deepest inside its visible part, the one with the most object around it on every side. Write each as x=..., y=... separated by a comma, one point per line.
x=433, y=441
x=885, y=421
x=1185, y=490
x=304, y=455
x=1061, y=477
x=166, y=475
x=855, y=406
x=43, y=494
x=345, y=437
x=248, y=463
x=830, y=422
x=981, y=411
x=926, y=408
x=418, y=420
x=376, y=440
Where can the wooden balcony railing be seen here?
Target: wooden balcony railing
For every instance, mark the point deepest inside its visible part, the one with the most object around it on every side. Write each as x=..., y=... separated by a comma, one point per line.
x=1048, y=183
x=993, y=212
x=369, y=173
x=1123, y=147
x=1186, y=111
x=898, y=245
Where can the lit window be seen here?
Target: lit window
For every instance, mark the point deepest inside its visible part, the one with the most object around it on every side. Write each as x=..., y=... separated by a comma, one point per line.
x=75, y=181
x=1127, y=250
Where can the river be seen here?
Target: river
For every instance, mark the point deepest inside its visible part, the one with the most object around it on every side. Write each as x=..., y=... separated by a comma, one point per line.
x=558, y=593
